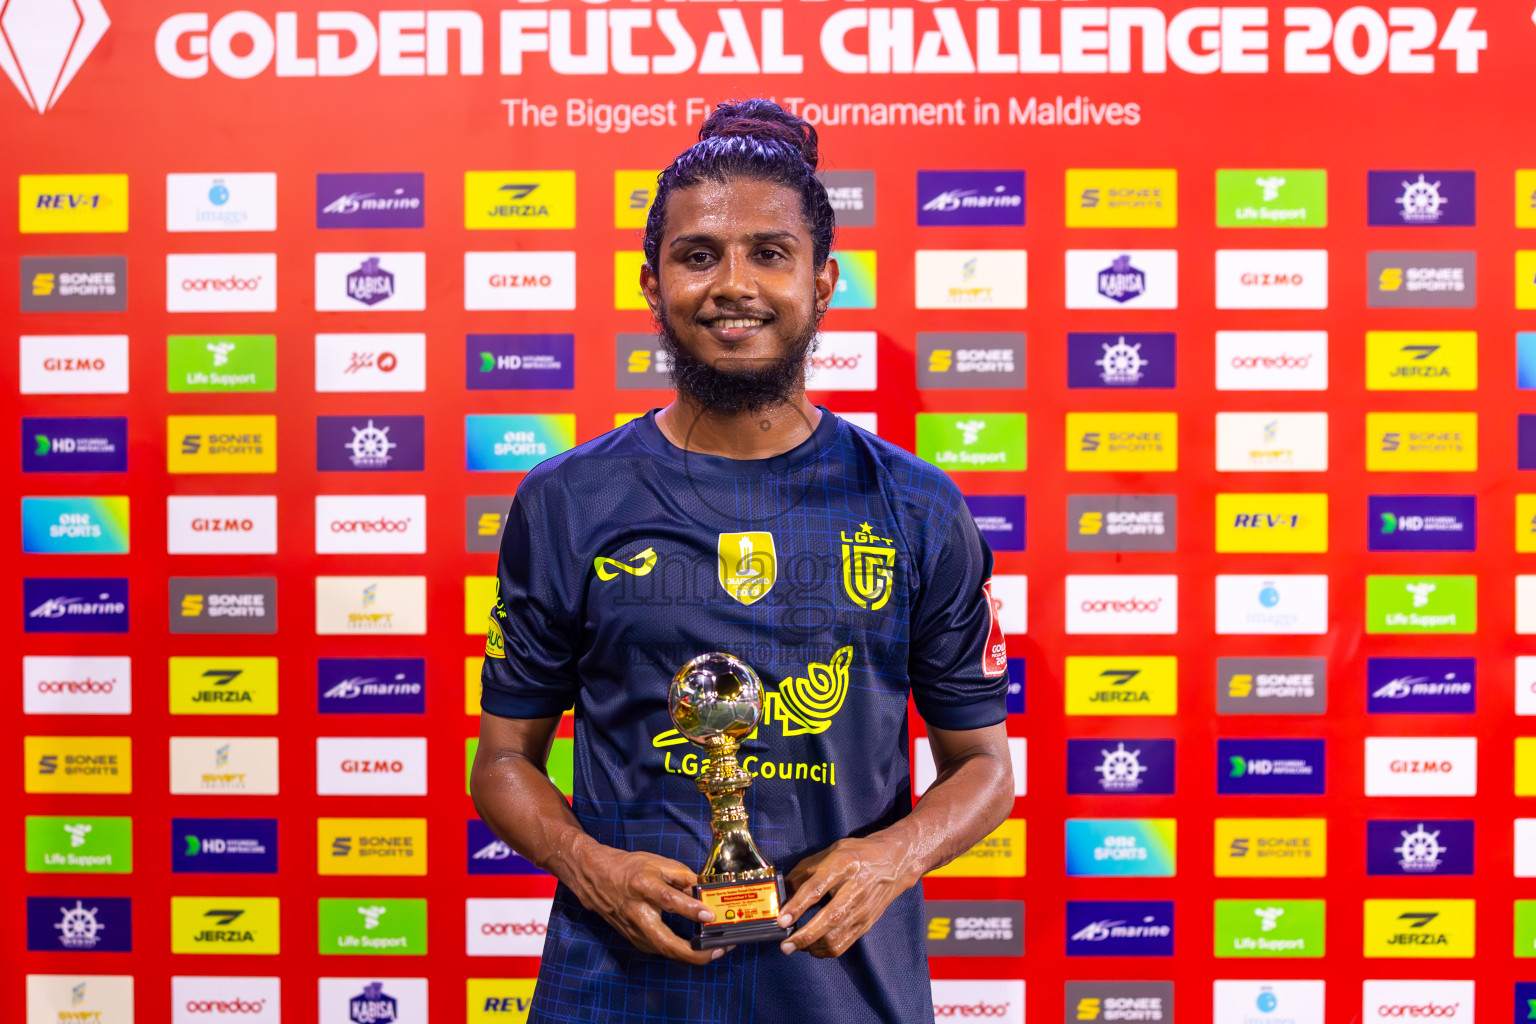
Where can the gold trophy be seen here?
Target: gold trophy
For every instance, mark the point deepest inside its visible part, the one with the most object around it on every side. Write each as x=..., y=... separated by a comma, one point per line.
x=715, y=701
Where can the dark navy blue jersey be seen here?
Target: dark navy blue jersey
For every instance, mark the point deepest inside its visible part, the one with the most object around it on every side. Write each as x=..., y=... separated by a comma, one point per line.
x=849, y=574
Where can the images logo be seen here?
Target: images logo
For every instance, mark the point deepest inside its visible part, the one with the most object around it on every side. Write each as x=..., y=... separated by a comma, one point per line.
x=953, y=360
x=1272, y=523
x=221, y=444
x=1119, y=928
x=79, y=924
x=1122, y=441
x=1122, y=198
x=980, y=441
x=968, y=279
x=224, y=924
x=1432, y=199
x=221, y=362
x=223, y=604
x=970, y=198
x=520, y=199
x=974, y=927
x=515, y=444
x=1117, y=279
x=1418, y=847
x=1121, y=847
x=1279, y=1002
x=1271, y=686
x=56, y=204
x=74, y=526
x=1271, y=767
x=1277, y=605
x=370, y=200
x=223, y=686
x=1271, y=847
x=37, y=65
x=1421, y=604
x=1423, y=522
x=1421, y=360
x=373, y=926
x=1128, y=685
x=1122, y=522
x=76, y=604
x=1272, y=279
x=1272, y=199
x=1000, y=518
x=372, y=686
x=1270, y=928
x=370, y=443
x=79, y=845
x=74, y=284
x=1420, y=928
x=1120, y=767
x=519, y=361
x=1421, y=766
x=1121, y=360
x=1421, y=280
x=1421, y=686
x=224, y=846
x=220, y=202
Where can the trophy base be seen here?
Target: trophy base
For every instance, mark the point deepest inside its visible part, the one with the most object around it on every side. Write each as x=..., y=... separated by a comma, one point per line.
x=744, y=912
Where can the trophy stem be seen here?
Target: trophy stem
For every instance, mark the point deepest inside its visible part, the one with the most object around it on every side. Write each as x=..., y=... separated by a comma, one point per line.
x=733, y=856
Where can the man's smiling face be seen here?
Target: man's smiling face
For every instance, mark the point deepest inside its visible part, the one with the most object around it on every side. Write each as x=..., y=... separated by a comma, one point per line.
x=737, y=292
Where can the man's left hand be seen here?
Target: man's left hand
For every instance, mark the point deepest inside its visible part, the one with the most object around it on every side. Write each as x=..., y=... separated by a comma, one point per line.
x=863, y=876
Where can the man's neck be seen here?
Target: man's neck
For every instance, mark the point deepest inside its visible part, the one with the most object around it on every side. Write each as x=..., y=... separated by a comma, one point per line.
x=745, y=435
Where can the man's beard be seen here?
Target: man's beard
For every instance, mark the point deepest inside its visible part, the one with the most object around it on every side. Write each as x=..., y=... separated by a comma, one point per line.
x=749, y=384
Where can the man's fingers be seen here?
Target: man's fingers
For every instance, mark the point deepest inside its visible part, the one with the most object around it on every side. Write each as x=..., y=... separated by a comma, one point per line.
x=664, y=941
x=676, y=874
x=830, y=918
x=675, y=902
x=808, y=892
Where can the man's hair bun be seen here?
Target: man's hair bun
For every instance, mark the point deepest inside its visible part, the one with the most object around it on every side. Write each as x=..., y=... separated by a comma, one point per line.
x=763, y=120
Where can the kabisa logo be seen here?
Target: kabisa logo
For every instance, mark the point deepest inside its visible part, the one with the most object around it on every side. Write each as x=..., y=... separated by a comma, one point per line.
x=1421, y=686
x=373, y=1005
x=1271, y=767
x=1119, y=928
x=1121, y=360
x=96, y=444
x=73, y=924
x=519, y=361
x=372, y=686
x=77, y=604
x=970, y=197
x=1120, y=282
x=1120, y=1001
x=1120, y=767
x=370, y=443
x=370, y=283
x=1416, y=198
x=46, y=45
x=869, y=567
x=1419, y=847
x=1423, y=522
x=370, y=200
x=488, y=855
x=224, y=846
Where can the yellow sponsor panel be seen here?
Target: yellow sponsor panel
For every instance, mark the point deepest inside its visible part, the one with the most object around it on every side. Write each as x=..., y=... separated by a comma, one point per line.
x=1525, y=199
x=1122, y=198
x=1135, y=442
x=372, y=846
x=223, y=686
x=1129, y=685
x=1421, y=360
x=633, y=192
x=520, y=199
x=78, y=764
x=999, y=855
x=1525, y=279
x=221, y=444
x=1421, y=442
x=621, y=418
x=499, y=1000
x=1420, y=929
x=479, y=599
x=224, y=924
x=1525, y=766
x=472, y=667
x=626, y=280
x=59, y=204
x=1525, y=523
x=1292, y=524
x=1271, y=847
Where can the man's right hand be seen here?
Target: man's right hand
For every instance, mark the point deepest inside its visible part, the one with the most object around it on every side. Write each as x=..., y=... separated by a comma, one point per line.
x=631, y=890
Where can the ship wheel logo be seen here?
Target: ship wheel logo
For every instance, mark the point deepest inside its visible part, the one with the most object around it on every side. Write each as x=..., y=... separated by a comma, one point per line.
x=1421, y=201
x=1421, y=850
x=78, y=928
x=370, y=446
x=1121, y=363
x=1121, y=769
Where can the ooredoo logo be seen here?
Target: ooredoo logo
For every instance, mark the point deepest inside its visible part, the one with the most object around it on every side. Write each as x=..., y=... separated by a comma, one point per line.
x=371, y=524
x=505, y=927
x=47, y=43
x=1000, y=1001
x=1396, y=1000
x=248, y=1000
x=843, y=361
x=74, y=685
x=239, y=282
x=1122, y=604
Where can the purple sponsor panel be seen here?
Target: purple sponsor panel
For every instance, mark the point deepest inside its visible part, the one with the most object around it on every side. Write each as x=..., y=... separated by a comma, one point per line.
x=981, y=198
x=1423, y=522
x=1015, y=695
x=1421, y=198
x=370, y=443
x=370, y=200
x=75, y=604
x=224, y=846
x=1271, y=767
x=1419, y=846
x=999, y=518
x=519, y=362
x=372, y=686
x=1120, y=767
x=1119, y=928
x=74, y=444
x=487, y=855
x=1421, y=686
x=1122, y=360
x=79, y=924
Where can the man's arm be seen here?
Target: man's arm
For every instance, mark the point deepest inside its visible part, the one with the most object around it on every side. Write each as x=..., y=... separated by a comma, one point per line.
x=515, y=797
x=972, y=796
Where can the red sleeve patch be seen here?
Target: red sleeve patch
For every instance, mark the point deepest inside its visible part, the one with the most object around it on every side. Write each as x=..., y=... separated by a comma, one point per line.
x=994, y=659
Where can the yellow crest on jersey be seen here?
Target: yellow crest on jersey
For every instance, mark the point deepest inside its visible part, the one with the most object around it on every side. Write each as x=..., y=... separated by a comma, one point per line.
x=748, y=565
x=869, y=567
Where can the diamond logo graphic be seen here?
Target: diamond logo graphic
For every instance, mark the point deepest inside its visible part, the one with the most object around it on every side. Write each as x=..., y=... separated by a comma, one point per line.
x=44, y=42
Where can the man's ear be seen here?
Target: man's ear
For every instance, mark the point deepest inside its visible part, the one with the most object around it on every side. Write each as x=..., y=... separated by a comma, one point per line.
x=826, y=284
x=650, y=287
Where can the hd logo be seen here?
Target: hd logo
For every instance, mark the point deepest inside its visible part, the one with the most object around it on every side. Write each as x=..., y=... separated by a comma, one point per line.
x=1421, y=360
x=1128, y=685
x=520, y=199
x=1434, y=929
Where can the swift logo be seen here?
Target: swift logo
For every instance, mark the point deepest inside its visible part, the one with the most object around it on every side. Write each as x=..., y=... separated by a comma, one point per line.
x=46, y=44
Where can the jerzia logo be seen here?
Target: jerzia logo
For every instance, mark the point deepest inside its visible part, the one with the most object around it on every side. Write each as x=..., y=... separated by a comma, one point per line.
x=45, y=45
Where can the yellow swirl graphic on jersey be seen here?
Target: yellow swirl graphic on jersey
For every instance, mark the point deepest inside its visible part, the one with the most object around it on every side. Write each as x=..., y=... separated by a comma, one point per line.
x=605, y=566
x=807, y=704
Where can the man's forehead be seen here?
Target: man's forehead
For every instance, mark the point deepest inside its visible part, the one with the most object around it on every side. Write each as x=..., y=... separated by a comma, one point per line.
x=730, y=210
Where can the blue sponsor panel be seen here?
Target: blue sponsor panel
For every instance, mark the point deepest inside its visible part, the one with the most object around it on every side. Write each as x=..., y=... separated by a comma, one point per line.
x=372, y=686
x=1122, y=361
x=1120, y=767
x=1121, y=847
x=1270, y=767
x=1525, y=360
x=488, y=855
x=74, y=444
x=1421, y=686
x=1421, y=199
x=999, y=518
x=1525, y=1001
x=522, y=362
x=370, y=443
x=75, y=604
x=79, y=924
x=224, y=846
x=971, y=198
x=1419, y=846
x=1423, y=522
x=1119, y=928
x=1014, y=698
x=370, y=200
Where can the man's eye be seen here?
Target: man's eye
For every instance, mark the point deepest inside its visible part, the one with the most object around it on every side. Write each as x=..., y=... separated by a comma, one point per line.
x=770, y=254
x=699, y=257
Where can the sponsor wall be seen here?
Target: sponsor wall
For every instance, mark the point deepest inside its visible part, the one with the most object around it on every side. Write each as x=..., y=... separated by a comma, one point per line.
x=1219, y=318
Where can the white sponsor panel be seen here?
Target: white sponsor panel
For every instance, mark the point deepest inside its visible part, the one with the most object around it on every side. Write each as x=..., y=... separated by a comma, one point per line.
x=371, y=524
x=1446, y=1002
x=221, y=524
x=224, y=765
x=972, y=279
x=409, y=996
x=371, y=766
x=1010, y=595
x=203, y=1000
x=1272, y=442
x=74, y=364
x=1271, y=278
x=1525, y=604
x=997, y=1002
x=370, y=362
x=505, y=927
x=1421, y=766
x=1525, y=685
x=925, y=773
x=82, y=998
x=1123, y=605
x=863, y=420
x=220, y=202
x=1122, y=279
x=370, y=605
x=1525, y=847
x=1271, y=360
x=221, y=282
x=76, y=685
x=843, y=361
x=370, y=282
x=519, y=280
x=1278, y=605
x=1250, y=1002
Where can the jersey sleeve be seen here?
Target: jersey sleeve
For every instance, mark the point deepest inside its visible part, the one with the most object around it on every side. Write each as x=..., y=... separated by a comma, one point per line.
x=530, y=650
x=959, y=660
